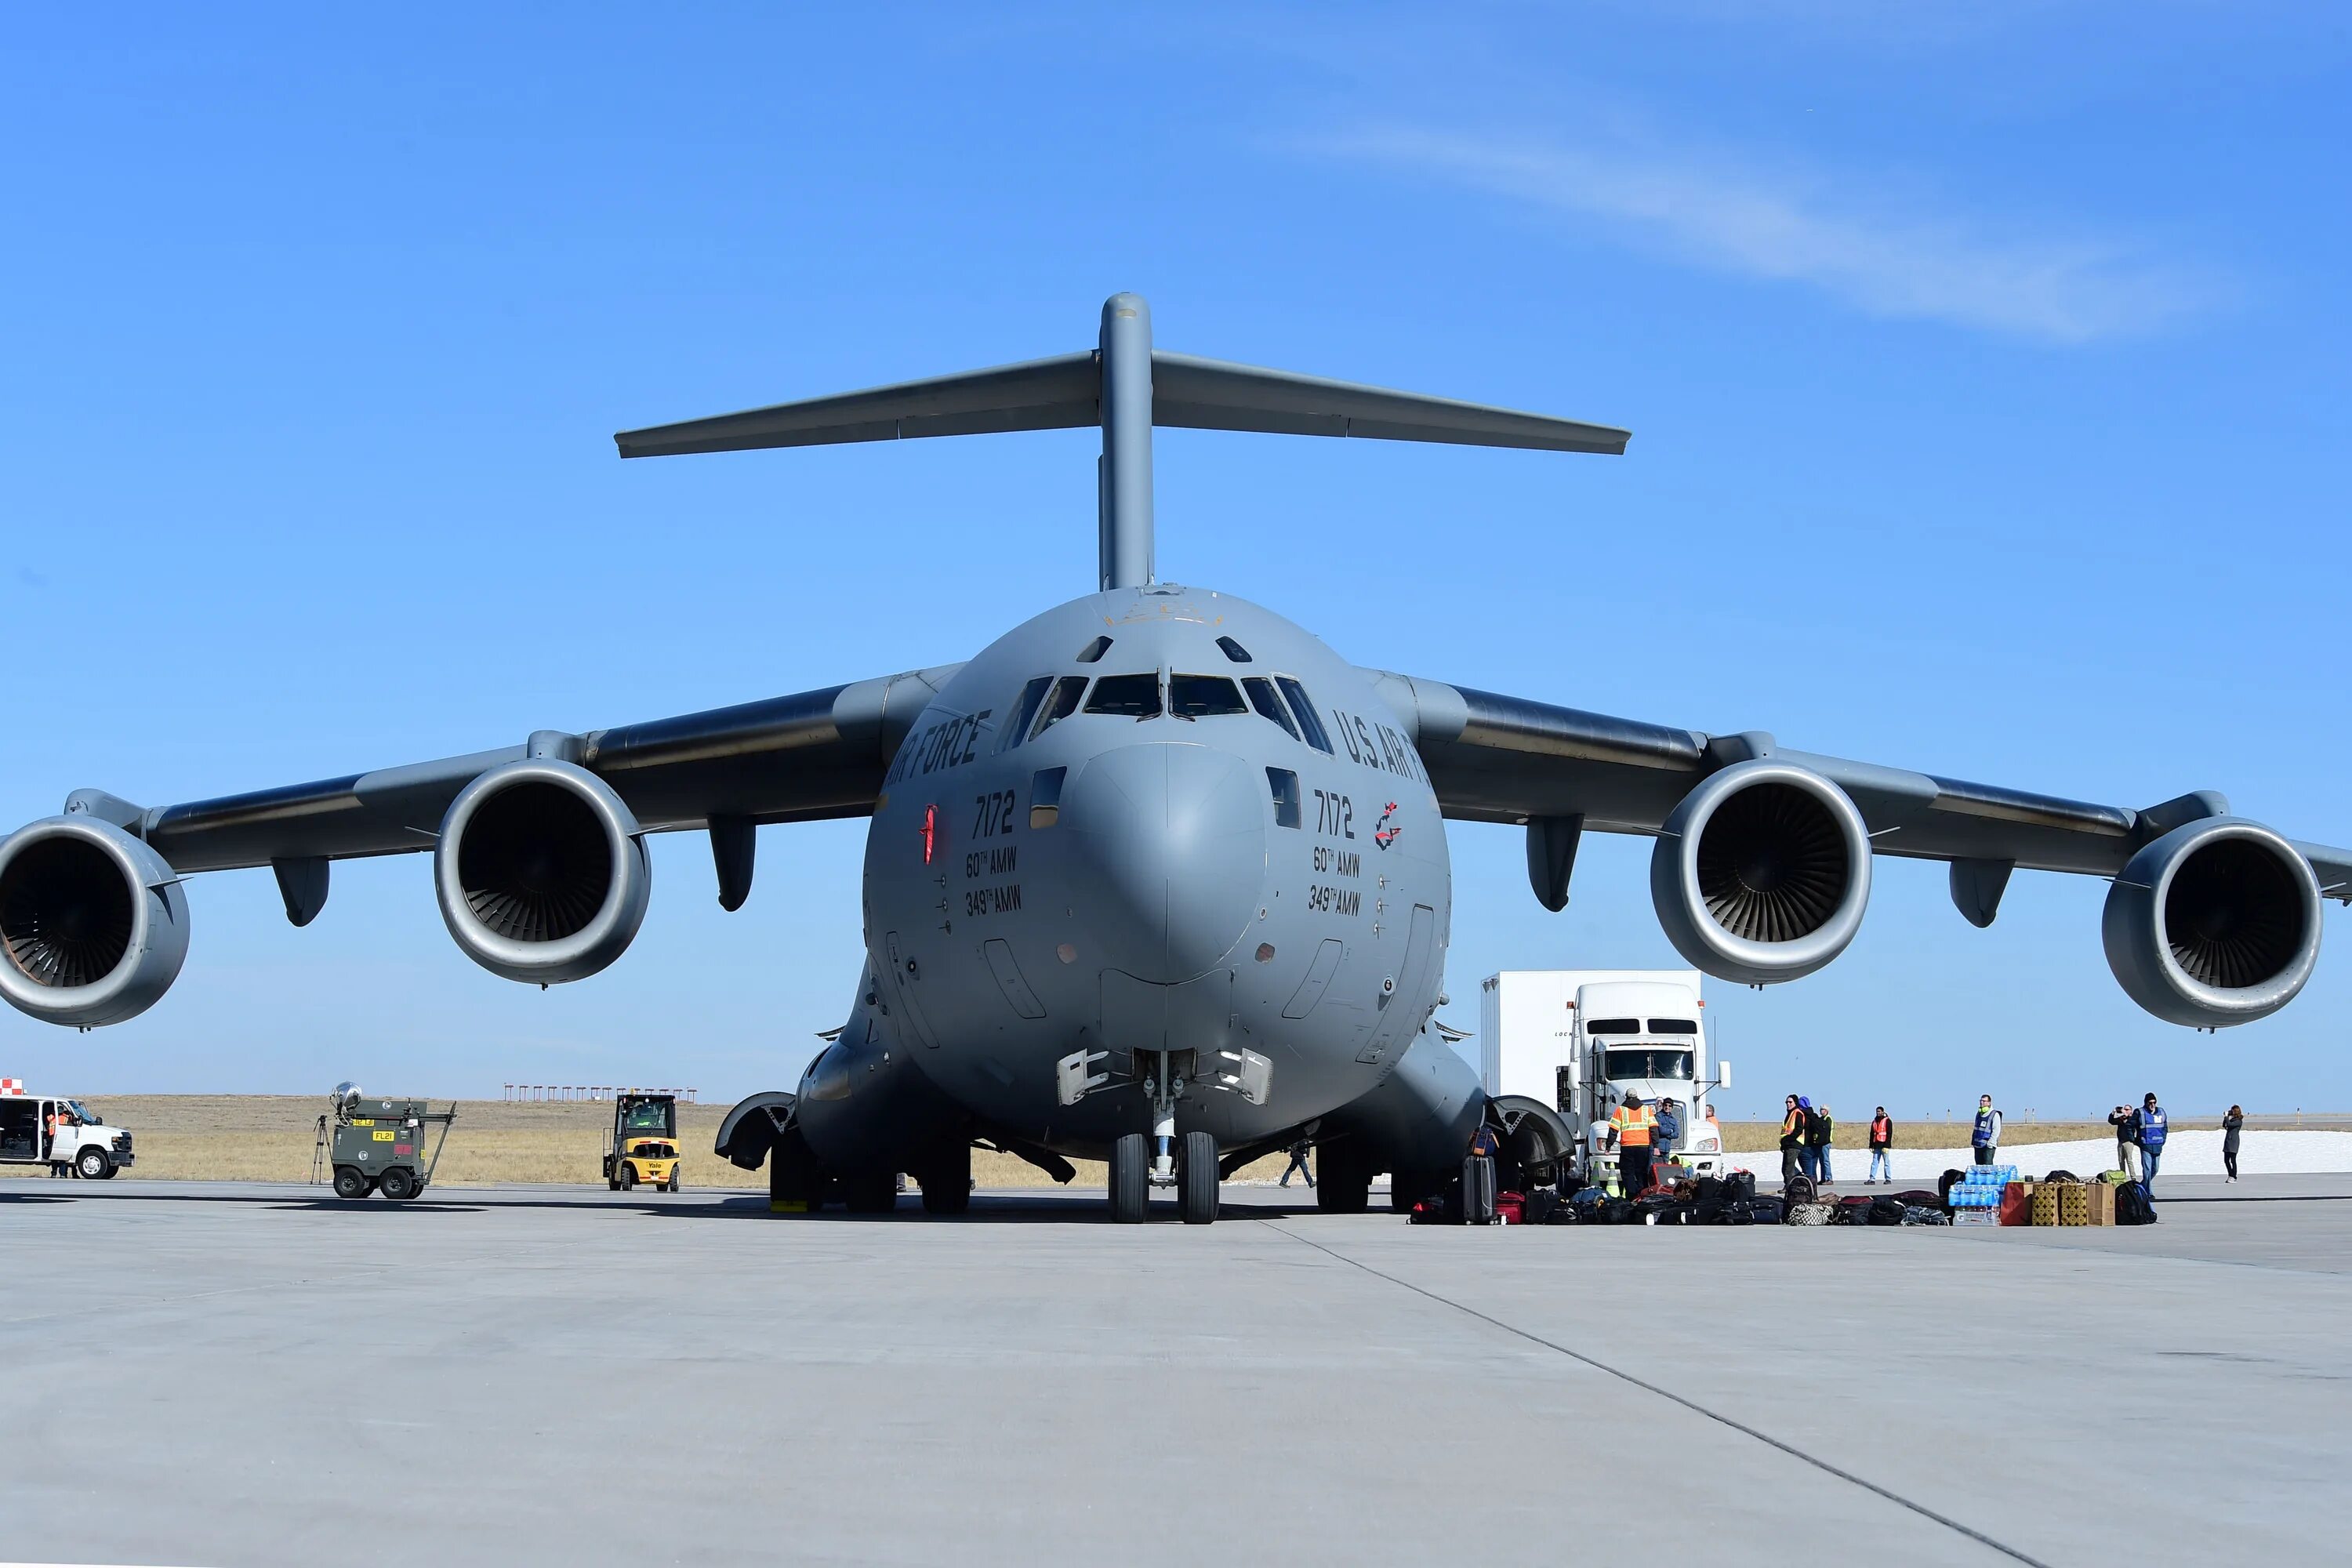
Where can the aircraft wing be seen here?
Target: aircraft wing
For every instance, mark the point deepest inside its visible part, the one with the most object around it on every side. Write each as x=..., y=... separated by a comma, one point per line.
x=802, y=758
x=1493, y=758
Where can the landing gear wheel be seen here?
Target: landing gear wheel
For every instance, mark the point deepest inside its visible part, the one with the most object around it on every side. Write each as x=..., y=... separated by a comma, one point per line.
x=1343, y=1185
x=92, y=1165
x=1407, y=1188
x=399, y=1184
x=872, y=1194
x=1196, y=1178
x=947, y=1183
x=1130, y=1180
x=351, y=1182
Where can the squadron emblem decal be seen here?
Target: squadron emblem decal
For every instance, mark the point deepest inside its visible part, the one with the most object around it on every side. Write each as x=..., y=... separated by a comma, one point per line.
x=1382, y=834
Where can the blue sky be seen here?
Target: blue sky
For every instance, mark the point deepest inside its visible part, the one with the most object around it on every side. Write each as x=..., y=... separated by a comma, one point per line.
x=1985, y=365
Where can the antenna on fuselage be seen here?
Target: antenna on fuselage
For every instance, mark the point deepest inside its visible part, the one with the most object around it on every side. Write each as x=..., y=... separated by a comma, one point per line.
x=1125, y=386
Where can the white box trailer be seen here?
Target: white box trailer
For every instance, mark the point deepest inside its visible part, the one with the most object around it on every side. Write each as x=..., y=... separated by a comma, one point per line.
x=1580, y=1040
x=63, y=1135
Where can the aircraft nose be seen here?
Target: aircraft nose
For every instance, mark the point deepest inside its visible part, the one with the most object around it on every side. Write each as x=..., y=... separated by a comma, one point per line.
x=1172, y=843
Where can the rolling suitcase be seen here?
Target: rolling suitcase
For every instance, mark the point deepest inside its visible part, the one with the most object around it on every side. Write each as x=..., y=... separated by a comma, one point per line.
x=1478, y=1191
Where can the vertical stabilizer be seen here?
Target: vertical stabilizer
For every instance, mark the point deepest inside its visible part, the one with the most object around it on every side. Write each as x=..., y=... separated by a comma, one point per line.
x=1125, y=498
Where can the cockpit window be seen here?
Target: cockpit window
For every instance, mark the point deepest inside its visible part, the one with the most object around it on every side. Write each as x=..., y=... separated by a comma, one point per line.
x=1234, y=650
x=1062, y=704
x=1017, y=723
x=1127, y=696
x=1094, y=650
x=1307, y=721
x=1268, y=702
x=1203, y=696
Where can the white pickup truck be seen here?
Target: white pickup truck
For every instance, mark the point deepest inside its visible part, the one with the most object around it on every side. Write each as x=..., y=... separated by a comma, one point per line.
x=63, y=1135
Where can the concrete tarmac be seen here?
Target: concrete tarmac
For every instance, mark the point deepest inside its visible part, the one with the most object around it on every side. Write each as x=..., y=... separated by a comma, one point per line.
x=240, y=1374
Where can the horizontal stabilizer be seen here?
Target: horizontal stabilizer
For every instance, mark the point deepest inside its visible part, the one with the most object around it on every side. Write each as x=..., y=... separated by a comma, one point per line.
x=1059, y=394
x=1209, y=395
x=1066, y=393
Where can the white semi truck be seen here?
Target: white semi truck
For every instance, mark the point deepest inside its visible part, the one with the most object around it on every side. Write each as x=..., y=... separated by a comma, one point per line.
x=1580, y=1040
x=63, y=1135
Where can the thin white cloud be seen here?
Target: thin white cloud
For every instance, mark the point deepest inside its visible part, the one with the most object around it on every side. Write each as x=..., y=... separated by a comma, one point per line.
x=1894, y=263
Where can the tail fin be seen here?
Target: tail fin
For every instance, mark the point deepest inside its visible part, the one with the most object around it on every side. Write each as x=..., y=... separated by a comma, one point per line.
x=1125, y=386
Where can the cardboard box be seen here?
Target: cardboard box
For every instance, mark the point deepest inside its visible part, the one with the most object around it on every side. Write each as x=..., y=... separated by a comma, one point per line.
x=2101, y=1199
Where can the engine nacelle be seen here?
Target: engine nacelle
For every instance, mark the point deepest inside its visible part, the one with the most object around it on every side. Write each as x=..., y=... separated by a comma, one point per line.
x=2215, y=924
x=1761, y=874
x=93, y=924
x=541, y=871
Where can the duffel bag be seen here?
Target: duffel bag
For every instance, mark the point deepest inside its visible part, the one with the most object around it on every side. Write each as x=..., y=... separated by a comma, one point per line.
x=1924, y=1214
x=1886, y=1209
x=1811, y=1213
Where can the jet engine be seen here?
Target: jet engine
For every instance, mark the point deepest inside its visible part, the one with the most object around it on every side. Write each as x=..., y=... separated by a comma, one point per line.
x=1761, y=873
x=2216, y=922
x=541, y=871
x=93, y=925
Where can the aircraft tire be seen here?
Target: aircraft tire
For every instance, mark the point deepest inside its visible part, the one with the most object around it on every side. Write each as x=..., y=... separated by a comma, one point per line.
x=1407, y=1188
x=1342, y=1185
x=1130, y=1180
x=1196, y=1179
x=947, y=1182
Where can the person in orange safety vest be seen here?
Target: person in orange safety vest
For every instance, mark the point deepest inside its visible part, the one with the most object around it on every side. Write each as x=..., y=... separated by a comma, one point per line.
x=1632, y=1125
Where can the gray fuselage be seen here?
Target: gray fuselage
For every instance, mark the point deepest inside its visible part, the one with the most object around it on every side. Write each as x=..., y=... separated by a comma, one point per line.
x=1049, y=872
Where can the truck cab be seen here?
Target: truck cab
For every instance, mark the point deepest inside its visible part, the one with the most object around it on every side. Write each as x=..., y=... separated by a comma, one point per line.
x=64, y=1134
x=1647, y=1039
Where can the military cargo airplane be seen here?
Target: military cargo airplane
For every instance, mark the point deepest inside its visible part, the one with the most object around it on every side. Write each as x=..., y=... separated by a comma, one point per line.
x=1155, y=877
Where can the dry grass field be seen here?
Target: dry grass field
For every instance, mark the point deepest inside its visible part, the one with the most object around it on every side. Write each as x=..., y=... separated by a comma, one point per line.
x=269, y=1138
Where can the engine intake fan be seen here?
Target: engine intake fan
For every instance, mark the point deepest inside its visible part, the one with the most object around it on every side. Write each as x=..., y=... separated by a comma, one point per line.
x=541, y=871
x=93, y=923
x=1761, y=874
x=2215, y=924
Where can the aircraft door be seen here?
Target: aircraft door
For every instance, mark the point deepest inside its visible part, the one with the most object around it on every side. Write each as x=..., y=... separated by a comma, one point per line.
x=1401, y=1011
x=905, y=984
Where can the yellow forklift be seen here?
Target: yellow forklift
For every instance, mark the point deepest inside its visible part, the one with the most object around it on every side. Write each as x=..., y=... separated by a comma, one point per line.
x=643, y=1144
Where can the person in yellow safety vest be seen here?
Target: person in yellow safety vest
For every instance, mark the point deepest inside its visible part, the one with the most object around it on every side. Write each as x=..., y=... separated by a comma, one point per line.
x=1631, y=1125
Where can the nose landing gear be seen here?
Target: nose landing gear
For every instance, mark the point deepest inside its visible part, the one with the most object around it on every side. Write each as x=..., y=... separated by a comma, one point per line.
x=1188, y=1163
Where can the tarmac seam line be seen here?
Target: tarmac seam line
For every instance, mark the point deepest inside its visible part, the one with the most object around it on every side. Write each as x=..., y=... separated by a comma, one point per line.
x=1922, y=1510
